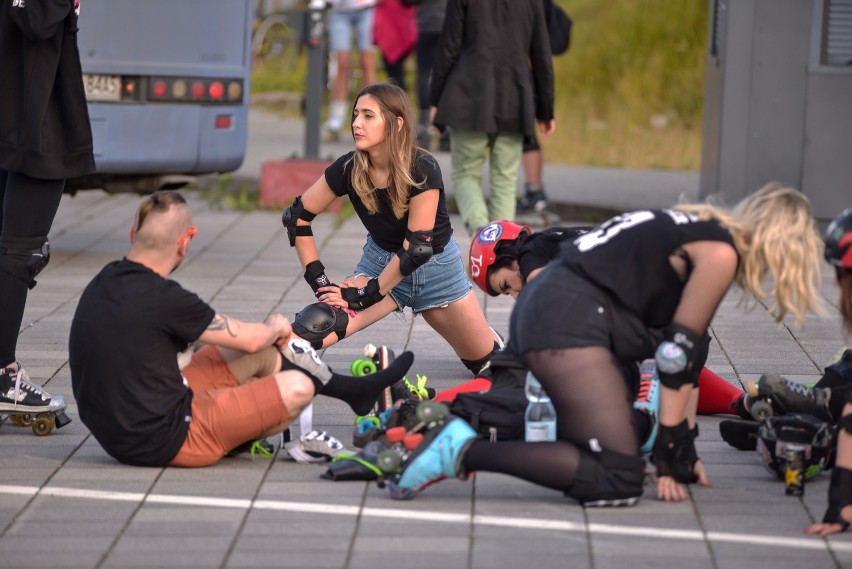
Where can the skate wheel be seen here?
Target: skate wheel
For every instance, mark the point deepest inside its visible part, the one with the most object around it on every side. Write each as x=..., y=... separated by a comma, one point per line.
x=395, y=434
x=372, y=420
x=370, y=351
x=43, y=425
x=362, y=367
x=21, y=420
x=410, y=442
x=389, y=461
x=760, y=410
x=431, y=412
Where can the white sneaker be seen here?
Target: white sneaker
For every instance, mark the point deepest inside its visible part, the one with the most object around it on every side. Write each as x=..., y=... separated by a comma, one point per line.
x=316, y=446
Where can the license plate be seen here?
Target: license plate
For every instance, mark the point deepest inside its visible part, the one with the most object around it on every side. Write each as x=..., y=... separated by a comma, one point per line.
x=102, y=87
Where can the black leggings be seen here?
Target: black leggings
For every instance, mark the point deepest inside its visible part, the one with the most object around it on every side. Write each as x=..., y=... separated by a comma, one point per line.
x=593, y=407
x=27, y=209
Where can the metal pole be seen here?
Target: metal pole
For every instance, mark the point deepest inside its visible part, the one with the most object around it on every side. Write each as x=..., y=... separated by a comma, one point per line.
x=314, y=87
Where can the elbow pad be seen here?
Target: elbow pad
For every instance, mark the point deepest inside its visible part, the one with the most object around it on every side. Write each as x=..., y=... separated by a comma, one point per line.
x=293, y=213
x=675, y=356
x=418, y=253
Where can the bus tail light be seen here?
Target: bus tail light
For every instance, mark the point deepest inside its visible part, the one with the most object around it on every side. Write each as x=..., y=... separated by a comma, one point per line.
x=187, y=90
x=224, y=121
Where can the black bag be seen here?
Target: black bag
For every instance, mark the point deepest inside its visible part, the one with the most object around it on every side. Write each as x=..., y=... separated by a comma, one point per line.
x=559, y=26
x=497, y=414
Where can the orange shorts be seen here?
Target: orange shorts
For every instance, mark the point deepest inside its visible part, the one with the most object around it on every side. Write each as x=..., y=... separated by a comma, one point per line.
x=226, y=413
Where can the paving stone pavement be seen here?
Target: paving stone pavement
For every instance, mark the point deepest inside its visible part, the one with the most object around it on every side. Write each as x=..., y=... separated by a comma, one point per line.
x=65, y=503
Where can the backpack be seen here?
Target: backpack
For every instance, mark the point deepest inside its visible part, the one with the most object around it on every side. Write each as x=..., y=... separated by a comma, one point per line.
x=559, y=26
x=497, y=414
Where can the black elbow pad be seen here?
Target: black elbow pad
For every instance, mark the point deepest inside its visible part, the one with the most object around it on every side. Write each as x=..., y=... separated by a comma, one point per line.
x=293, y=213
x=418, y=253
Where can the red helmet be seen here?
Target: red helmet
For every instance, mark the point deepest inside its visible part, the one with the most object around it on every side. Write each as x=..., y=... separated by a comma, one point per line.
x=838, y=241
x=482, y=249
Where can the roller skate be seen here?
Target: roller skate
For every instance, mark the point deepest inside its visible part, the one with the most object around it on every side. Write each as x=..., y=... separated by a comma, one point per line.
x=426, y=453
x=648, y=401
x=376, y=358
x=260, y=447
x=26, y=404
x=772, y=395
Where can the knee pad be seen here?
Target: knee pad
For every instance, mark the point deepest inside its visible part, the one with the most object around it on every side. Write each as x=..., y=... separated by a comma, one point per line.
x=607, y=478
x=480, y=366
x=24, y=257
x=316, y=321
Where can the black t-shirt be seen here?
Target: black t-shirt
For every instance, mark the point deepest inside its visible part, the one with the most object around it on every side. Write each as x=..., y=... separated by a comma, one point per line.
x=629, y=256
x=386, y=230
x=541, y=247
x=128, y=329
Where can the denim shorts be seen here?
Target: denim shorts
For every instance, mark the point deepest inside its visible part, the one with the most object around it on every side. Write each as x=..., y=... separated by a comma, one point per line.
x=341, y=25
x=436, y=284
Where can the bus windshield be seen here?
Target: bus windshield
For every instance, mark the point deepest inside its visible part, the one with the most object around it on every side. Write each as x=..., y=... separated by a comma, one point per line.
x=168, y=89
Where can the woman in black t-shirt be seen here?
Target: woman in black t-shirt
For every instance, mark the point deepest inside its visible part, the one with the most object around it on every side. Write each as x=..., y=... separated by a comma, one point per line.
x=410, y=258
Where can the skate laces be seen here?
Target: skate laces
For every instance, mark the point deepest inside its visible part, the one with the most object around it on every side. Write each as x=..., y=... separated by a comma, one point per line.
x=22, y=381
x=420, y=389
x=646, y=390
x=797, y=388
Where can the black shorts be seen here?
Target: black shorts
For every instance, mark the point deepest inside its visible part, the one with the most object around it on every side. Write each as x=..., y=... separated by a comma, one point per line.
x=560, y=309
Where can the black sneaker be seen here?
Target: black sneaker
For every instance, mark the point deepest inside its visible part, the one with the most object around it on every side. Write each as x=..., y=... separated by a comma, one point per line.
x=19, y=394
x=534, y=201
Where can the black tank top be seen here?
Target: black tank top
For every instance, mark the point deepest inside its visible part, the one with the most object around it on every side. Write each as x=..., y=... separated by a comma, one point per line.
x=629, y=257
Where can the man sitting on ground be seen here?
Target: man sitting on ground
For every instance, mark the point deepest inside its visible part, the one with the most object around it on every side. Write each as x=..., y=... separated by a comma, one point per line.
x=132, y=327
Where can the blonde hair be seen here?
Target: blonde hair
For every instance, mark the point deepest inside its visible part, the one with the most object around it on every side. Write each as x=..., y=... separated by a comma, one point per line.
x=393, y=103
x=774, y=232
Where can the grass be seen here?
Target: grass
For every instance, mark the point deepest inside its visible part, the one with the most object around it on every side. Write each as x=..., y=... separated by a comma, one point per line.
x=629, y=92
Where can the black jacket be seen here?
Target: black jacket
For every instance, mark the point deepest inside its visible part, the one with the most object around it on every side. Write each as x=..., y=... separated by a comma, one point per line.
x=493, y=72
x=44, y=121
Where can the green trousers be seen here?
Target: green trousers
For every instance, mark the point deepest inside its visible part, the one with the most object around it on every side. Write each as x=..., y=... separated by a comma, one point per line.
x=469, y=151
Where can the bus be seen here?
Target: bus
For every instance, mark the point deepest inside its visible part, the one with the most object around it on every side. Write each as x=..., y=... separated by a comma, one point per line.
x=167, y=82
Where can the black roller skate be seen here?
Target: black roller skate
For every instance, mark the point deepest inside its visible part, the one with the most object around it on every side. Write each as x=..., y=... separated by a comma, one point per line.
x=773, y=395
x=426, y=453
x=26, y=404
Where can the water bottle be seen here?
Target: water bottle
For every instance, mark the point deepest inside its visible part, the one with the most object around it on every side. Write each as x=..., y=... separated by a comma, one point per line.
x=540, y=418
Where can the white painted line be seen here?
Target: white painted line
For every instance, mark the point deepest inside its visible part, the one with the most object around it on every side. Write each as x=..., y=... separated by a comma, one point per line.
x=813, y=543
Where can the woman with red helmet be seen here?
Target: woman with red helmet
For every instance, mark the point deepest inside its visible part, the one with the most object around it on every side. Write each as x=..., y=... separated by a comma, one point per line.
x=838, y=252
x=505, y=256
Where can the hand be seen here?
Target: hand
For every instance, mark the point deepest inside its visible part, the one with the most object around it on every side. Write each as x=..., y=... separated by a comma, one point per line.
x=670, y=490
x=546, y=128
x=823, y=529
x=432, y=112
x=282, y=327
x=331, y=295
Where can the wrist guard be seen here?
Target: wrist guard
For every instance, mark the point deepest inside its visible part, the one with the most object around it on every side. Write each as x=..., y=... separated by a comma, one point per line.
x=361, y=298
x=676, y=355
x=839, y=496
x=316, y=277
x=674, y=453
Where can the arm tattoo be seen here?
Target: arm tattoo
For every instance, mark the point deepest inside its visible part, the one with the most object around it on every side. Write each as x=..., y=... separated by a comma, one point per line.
x=221, y=322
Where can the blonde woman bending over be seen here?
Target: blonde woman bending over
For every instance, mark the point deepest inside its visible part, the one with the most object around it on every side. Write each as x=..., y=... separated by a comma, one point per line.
x=596, y=305
x=411, y=257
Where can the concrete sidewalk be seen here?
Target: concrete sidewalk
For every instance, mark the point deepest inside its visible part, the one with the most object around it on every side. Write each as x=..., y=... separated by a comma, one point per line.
x=65, y=503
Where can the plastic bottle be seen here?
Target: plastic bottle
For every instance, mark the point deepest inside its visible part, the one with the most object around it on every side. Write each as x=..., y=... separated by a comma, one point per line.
x=540, y=418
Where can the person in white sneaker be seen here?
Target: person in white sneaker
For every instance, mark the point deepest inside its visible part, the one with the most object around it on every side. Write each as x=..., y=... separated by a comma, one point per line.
x=133, y=325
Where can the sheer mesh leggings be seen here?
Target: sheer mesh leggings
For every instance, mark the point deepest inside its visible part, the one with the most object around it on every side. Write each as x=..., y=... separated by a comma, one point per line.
x=592, y=402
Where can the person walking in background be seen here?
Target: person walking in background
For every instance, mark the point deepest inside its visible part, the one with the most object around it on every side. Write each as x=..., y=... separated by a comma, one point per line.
x=430, y=20
x=532, y=159
x=492, y=81
x=45, y=137
x=346, y=17
x=395, y=33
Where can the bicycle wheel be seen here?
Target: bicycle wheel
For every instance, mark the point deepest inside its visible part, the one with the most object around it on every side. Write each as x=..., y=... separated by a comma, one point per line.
x=275, y=39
